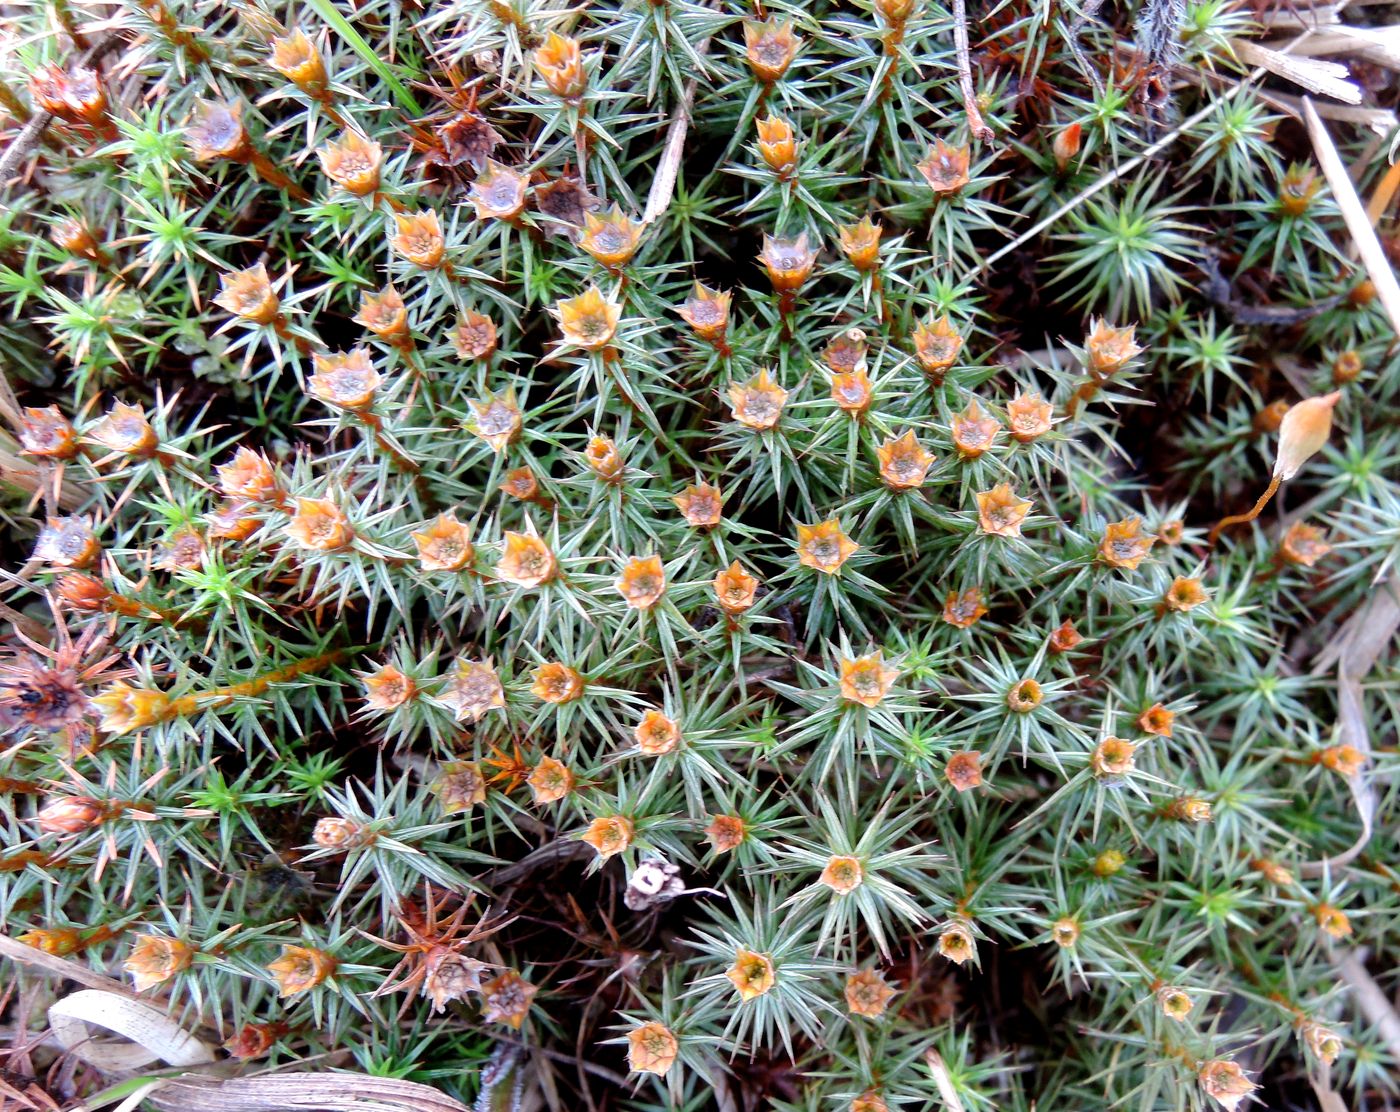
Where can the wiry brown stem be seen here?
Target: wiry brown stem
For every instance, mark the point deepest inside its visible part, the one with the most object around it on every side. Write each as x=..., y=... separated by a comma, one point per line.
x=1237, y=519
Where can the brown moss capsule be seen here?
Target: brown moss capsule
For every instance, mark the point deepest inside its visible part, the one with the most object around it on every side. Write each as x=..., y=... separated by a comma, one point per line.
x=125, y=709
x=125, y=430
x=334, y=832
x=353, y=163
x=769, y=48
x=69, y=814
x=1065, y=145
x=1344, y=760
x=946, y=168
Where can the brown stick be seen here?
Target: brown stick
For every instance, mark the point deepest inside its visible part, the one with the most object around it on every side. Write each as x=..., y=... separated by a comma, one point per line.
x=1236, y=519
x=975, y=123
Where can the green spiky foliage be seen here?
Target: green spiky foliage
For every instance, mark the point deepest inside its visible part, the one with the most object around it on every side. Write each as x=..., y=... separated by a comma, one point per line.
x=632, y=556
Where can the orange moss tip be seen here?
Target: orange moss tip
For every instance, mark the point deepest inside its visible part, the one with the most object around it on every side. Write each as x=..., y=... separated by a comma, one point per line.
x=707, y=312
x=353, y=162
x=507, y=999
x=609, y=835
x=963, y=609
x=769, y=48
x=559, y=62
x=526, y=561
x=611, y=239
x=964, y=771
x=498, y=192
x=752, y=974
x=445, y=545
x=757, y=403
x=652, y=1048
x=154, y=959
x=904, y=462
x=1125, y=545
x=656, y=734
x=735, y=589
x=497, y=420
x=459, y=786
x=946, y=168
x=789, y=262
x=249, y=295
x=824, y=547
x=474, y=690
x=642, y=582
x=557, y=684
x=1000, y=512
x=867, y=993
x=865, y=680
x=701, y=504
x=860, y=243
x=320, y=526
x=588, y=321
x=300, y=969
x=726, y=833
x=346, y=380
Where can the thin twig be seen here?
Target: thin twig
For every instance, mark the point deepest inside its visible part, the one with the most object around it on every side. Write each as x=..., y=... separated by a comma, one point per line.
x=975, y=123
